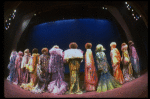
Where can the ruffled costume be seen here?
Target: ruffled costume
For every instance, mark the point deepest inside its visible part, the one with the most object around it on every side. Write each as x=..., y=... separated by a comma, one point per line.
x=32, y=67
x=43, y=75
x=56, y=68
x=74, y=57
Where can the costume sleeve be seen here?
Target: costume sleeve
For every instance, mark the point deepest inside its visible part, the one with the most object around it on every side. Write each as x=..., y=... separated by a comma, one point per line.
x=22, y=63
x=30, y=65
x=16, y=61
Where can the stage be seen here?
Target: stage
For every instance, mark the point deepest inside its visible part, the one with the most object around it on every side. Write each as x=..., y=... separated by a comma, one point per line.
x=137, y=88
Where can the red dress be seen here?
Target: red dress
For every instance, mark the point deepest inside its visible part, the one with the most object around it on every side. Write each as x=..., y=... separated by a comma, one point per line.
x=91, y=78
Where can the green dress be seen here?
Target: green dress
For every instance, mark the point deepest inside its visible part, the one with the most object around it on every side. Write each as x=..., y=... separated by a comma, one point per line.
x=106, y=80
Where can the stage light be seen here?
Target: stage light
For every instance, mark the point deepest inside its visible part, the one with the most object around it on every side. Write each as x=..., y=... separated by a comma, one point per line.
x=102, y=7
x=6, y=21
x=126, y=2
x=133, y=14
x=8, y=26
x=63, y=18
x=132, y=10
x=134, y=17
x=13, y=17
x=14, y=10
x=140, y=16
x=105, y=8
x=9, y=23
x=34, y=14
x=128, y=8
x=13, y=14
x=9, y=18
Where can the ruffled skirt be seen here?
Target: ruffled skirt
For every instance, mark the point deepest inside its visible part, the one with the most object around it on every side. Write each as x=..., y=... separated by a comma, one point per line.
x=57, y=88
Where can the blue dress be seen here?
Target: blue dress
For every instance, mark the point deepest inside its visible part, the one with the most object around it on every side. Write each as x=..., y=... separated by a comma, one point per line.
x=11, y=65
x=106, y=80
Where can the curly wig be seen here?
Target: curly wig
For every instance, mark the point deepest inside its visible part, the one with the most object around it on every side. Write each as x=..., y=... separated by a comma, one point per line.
x=130, y=43
x=35, y=50
x=44, y=50
x=73, y=45
x=88, y=45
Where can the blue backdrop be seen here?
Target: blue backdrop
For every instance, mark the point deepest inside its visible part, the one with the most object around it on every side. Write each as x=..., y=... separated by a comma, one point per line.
x=81, y=31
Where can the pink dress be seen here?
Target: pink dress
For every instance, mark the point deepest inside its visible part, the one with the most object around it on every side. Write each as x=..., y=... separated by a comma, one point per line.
x=91, y=78
x=57, y=85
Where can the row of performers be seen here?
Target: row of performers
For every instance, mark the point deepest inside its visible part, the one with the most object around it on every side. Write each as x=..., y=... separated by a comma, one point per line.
x=44, y=73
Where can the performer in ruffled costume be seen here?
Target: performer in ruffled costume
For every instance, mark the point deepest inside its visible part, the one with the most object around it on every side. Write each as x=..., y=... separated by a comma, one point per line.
x=134, y=59
x=91, y=78
x=127, y=66
x=11, y=66
x=106, y=80
x=32, y=67
x=73, y=57
x=42, y=73
x=56, y=68
x=25, y=72
x=115, y=60
x=18, y=67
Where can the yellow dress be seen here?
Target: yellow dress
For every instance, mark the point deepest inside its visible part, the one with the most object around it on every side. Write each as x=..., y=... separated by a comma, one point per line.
x=32, y=67
x=115, y=60
x=74, y=57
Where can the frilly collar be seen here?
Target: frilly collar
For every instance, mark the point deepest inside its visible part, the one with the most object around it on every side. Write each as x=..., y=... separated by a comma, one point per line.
x=56, y=51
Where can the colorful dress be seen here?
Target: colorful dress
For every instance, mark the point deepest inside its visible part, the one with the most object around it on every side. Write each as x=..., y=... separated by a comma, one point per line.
x=32, y=67
x=25, y=72
x=115, y=60
x=43, y=75
x=91, y=78
x=74, y=57
x=18, y=68
x=11, y=66
x=134, y=60
x=56, y=68
x=127, y=66
x=106, y=81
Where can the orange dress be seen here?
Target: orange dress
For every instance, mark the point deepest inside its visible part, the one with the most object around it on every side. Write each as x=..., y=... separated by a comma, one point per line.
x=91, y=78
x=115, y=60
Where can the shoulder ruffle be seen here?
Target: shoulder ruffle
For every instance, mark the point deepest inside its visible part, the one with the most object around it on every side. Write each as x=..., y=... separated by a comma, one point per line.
x=56, y=51
x=73, y=53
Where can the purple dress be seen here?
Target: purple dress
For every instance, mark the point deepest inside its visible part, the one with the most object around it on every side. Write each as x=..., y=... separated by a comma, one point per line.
x=18, y=68
x=57, y=85
x=25, y=72
x=134, y=60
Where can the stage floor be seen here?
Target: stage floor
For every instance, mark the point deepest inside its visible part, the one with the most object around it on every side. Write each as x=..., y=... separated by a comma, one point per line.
x=137, y=88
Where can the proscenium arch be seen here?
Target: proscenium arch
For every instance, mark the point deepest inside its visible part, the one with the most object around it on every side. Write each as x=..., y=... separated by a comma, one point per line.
x=17, y=36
